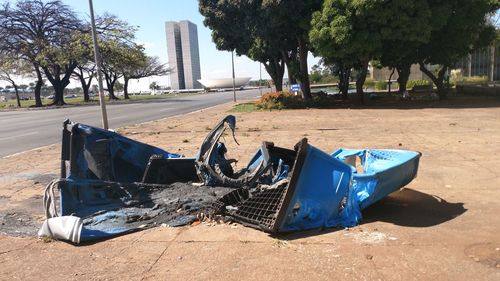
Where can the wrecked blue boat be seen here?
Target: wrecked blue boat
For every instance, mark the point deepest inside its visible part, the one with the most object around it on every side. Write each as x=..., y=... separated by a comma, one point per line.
x=112, y=185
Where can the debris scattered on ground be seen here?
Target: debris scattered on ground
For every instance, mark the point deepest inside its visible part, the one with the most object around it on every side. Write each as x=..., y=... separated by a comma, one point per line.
x=112, y=185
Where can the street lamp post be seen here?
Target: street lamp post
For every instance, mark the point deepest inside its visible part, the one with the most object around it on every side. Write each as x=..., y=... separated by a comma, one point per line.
x=260, y=78
x=234, y=85
x=98, y=65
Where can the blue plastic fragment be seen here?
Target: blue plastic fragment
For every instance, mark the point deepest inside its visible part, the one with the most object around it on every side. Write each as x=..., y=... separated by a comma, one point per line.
x=304, y=188
x=382, y=171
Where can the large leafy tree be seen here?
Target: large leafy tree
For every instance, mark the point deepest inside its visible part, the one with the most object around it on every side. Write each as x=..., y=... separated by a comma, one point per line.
x=109, y=29
x=85, y=74
x=120, y=54
x=341, y=32
x=351, y=33
x=117, y=58
x=145, y=66
x=250, y=28
x=42, y=33
x=271, y=58
x=412, y=29
x=11, y=68
x=458, y=26
x=290, y=22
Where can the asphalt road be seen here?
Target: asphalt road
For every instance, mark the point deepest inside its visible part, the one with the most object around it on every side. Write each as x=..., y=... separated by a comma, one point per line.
x=22, y=130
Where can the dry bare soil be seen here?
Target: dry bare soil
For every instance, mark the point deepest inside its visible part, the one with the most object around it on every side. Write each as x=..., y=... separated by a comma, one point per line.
x=445, y=225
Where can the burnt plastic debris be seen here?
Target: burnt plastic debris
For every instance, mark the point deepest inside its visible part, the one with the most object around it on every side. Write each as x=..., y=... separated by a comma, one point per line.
x=112, y=185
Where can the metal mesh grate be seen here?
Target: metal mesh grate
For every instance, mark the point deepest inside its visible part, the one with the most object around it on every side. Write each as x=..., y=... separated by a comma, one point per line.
x=233, y=198
x=262, y=209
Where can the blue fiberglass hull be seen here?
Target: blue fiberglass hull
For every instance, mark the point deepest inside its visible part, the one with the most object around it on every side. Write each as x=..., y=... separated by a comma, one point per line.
x=380, y=172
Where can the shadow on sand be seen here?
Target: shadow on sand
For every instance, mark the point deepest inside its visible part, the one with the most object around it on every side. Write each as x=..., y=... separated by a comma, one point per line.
x=406, y=207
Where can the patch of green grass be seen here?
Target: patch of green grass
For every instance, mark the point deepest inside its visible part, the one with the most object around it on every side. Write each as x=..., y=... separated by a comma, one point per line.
x=244, y=107
x=12, y=104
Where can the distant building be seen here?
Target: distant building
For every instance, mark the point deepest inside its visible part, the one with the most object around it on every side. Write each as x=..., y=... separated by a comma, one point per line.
x=482, y=62
x=383, y=74
x=183, y=54
x=221, y=83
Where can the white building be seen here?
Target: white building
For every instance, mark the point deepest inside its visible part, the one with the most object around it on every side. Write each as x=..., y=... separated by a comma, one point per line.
x=183, y=54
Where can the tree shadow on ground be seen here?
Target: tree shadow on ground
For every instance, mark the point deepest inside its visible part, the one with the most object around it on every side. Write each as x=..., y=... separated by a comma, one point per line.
x=406, y=207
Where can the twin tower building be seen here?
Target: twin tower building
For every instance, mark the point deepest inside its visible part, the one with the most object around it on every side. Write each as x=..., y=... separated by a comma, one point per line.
x=183, y=55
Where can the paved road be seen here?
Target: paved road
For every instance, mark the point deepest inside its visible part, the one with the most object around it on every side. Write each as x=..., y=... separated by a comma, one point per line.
x=27, y=129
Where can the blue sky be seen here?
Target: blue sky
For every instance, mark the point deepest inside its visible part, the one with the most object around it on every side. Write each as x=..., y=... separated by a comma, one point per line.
x=150, y=16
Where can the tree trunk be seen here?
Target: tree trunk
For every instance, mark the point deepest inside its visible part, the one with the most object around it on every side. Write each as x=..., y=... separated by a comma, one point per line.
x=38, y=86
x=59, y=95
x=344, y=75
x=85, y=86
x=304, y=72
x=125, y=87
x=403, y=76
x=276, y=70
x=111, y=90
x=55, y=80
x=86, y=96
x=110, y=83
x=291, y=63
x=278, y=83
x=360, y=81
x=442, y=91
x=17, y=95
x=389, y=83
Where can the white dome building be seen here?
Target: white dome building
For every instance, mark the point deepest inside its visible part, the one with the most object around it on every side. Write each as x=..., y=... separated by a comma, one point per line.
x=224, y=82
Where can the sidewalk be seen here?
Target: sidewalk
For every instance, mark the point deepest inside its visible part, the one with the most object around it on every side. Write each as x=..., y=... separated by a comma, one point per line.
x=443, y=226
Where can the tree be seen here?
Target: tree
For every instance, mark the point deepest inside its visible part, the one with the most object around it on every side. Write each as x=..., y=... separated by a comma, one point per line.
x=42, y=33
x=316, y=73
x=323, y=73
x=118, y=86
x=293, y=18
x=118, y=51
x=85, y=69
x=144, y=67
x=117, y=58
x=273, y=32
x=272, y=60
x=351, y=33
x=109, y=29
x=246, y=28
x=340, y=32
x=85, y=73
x=412, y=30
x=457, y=27
x=153, y=86
x=10, y=69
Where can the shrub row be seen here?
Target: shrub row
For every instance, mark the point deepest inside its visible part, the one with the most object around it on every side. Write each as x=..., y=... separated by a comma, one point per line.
x=286, y=100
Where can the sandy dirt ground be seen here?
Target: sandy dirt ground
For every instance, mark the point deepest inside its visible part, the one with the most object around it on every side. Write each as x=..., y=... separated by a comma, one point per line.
x=445, y=225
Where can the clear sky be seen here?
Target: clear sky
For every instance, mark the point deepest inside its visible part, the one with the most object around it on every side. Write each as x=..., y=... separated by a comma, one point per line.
x=150, y=17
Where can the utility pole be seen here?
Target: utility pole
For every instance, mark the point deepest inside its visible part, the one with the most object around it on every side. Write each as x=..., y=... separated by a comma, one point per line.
x=98, y=65
x=469, y=65
x=234, y=84
x=492, y=63
x=260, y=78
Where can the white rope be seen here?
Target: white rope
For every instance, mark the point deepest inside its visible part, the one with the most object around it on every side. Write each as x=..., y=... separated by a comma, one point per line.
x=49, y=198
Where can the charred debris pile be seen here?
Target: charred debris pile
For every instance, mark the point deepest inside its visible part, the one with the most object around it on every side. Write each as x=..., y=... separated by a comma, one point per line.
x=112, y=185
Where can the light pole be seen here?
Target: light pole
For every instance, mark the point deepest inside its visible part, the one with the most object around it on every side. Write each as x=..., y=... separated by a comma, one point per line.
x=260, y=78
x=234, y=85
x=98, y=65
